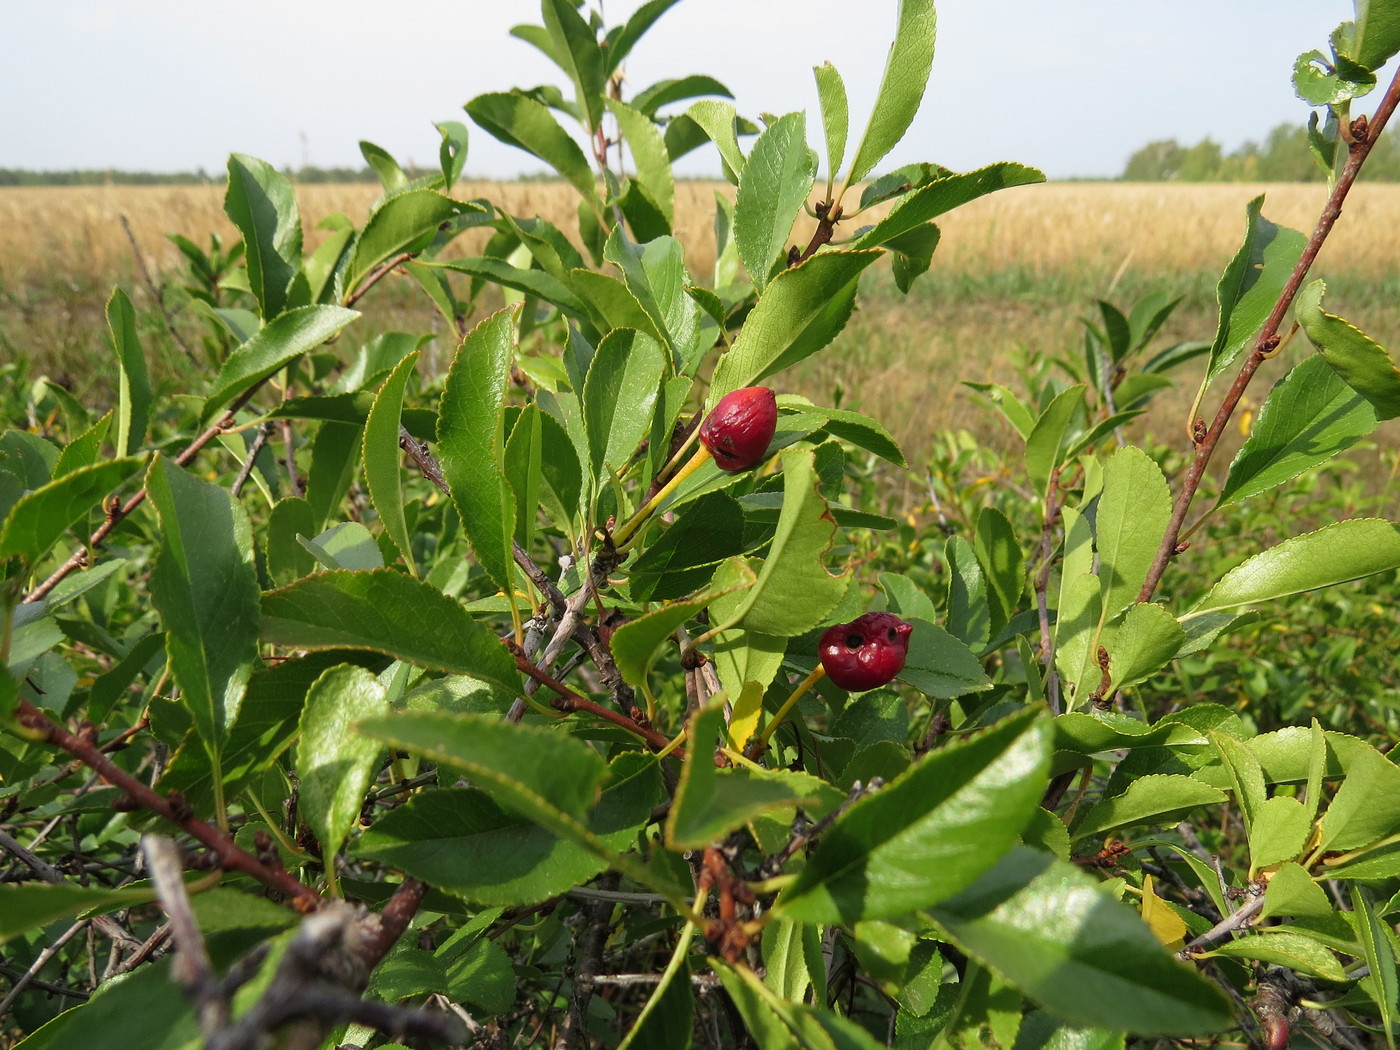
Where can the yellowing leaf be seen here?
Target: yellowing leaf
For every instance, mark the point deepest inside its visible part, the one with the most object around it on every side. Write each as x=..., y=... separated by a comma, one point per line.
x=1165, y=923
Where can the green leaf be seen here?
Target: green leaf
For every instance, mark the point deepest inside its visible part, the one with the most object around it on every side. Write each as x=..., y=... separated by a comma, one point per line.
x=1357, y=358
x=1379, y=953
x=633, y=29
x=1346, y=550
x=930, y=833
x=1146, y=641
x=206, y=589
x=452, y=153
x=855, y=427
x=1149, y=800
x=287, y=559
x=1131, y=521
x=334, y=765
x=521, y=121
x=1309, y=416
x=712, y=802
x=133, y=383
x=578, y=54
x=136, y=1009
x=471, y=442
x=800, y=311
x=664, y=92
x=386, y=612
x=263, y=206
x=776, y=1022
x=619, y=397
x=717, y=120
x=1377, y=34
x=1051, y=931
x=940, y=666
x=836, y=117
x=635, y=644
x=41, y=517
x=1251, y=284
x=776, y=182
x=1366, y=807
x=29, y=906
x=969, y=611
x=382, y=458
x=1293, y=892
x=538, y=773
x=1279, y=832
x=1050, y=437
x=943, y=195
x=794, y=591
x=649, y=155
x=406, y=222
x=391, y=174
x=274, y=346
x=901, y=88
x=1293, y=950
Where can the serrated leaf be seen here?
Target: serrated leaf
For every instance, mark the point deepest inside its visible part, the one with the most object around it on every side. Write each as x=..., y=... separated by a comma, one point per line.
x=133, y=382
x=776, y=182
x=800, y=311
x=41, y=517
x=777, y=1022
x=334, y=765
x=1366, y=808
x=1337, y=553
x=717, y=120
x=206, y=589
x=136, y=1009
x=620, y=396
x=901, y=87
x=1293, y=950
x=1309, y=416
x=261, y=203
x=1149, y=800
x=383, y=458
x=1379, y=954
x=577, y=51
x=1146, y=641
x=521, y=121
x=386, y=612
x=1361, y=362
x=1051, y=931
x=1133, y=513
x=471, y=442
x=930, y=833
x=944, y=194
x=1278, y=832
x=648, y=150
x=406, y=222
x=940, y=666
x=1048, y=439
x=275, y=345
x=831, y=93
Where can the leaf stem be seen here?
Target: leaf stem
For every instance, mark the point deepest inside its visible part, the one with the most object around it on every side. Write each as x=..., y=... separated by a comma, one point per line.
x=757, y=747
x=620, y=537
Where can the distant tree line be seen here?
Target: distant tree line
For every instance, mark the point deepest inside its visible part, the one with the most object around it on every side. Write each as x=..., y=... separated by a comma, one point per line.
x=113, y=177
x=1283, y=156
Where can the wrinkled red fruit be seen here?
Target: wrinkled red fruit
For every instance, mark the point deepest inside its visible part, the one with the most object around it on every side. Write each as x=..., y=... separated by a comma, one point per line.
x=865, y=653
x=738, y=429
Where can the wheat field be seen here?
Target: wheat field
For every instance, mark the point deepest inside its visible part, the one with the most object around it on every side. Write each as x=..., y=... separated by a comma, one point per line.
x=1013, y=275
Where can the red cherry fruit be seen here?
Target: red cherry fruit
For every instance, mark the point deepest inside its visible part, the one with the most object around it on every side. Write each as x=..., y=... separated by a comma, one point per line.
x=867, y=652
x=739, y=429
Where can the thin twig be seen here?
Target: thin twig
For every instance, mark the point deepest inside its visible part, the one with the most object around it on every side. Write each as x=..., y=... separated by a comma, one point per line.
x=1268, y=335
x=22, y=981
x=246, y=471
x=155, y=291
x=385, y=268
x=1237, y=919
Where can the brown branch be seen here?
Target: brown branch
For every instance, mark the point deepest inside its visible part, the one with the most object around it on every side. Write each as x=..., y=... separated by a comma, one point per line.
x=570, y=701
x=378, y=274
x=174, y=809
x=387, y=927
x=828, y=215
x=1268, y=336
x=119, y=512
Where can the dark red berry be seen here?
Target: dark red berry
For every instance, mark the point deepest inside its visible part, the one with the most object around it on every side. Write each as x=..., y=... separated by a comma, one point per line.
x=865, y=653
x=738, y=429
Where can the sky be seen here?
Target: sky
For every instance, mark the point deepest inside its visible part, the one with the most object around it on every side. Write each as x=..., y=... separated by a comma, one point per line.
x=1070, y=86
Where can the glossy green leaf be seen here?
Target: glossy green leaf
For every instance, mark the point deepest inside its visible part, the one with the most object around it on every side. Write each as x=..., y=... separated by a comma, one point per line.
x=29, y=906
x=1309, y=416
x=452, y=153
x=471, y=442
x=776, y=182
x=1366, y=807
x=41, y=517
x=1050, y=437
x=1051, y=930
x=521, y=121
x=261, y=203
x=776, y=1023
x=633, y=29
x=1146, y=641
x=794, y=591
x=1132, y=518
x=1378, y=951
x=383, y=458
x=800, y=311
x=136, y=1009
x=836, y=117
x=1149, y=800
x=944, y=194
x=535, y=283
x=275, y=345
x=538, y=773
x=1346, y=550
x=648, y=151
x=902, y=87
x=1251, y=284
x=1361, y=362
x=386, y=612
x=206, y=589
x=133, y=383
x=575, y=47
x=969, y=610
x=335, y=765
x=718, y=120
x=391, y=174
x=1293, y=892
x=855, y=427
x=705, y=532
x=940, y=666
x=1292, y=950
x=406, y=222
x=930, y=833
x=620, y=396
x=1278, y=832
x=712, y=802
x=636, y=643
x=85, y=450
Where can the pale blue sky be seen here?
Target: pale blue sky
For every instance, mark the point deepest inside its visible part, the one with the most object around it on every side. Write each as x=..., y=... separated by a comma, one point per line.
x=1072, y=86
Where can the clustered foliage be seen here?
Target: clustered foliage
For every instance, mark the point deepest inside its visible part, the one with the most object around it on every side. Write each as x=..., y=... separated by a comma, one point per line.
x=369, y=705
